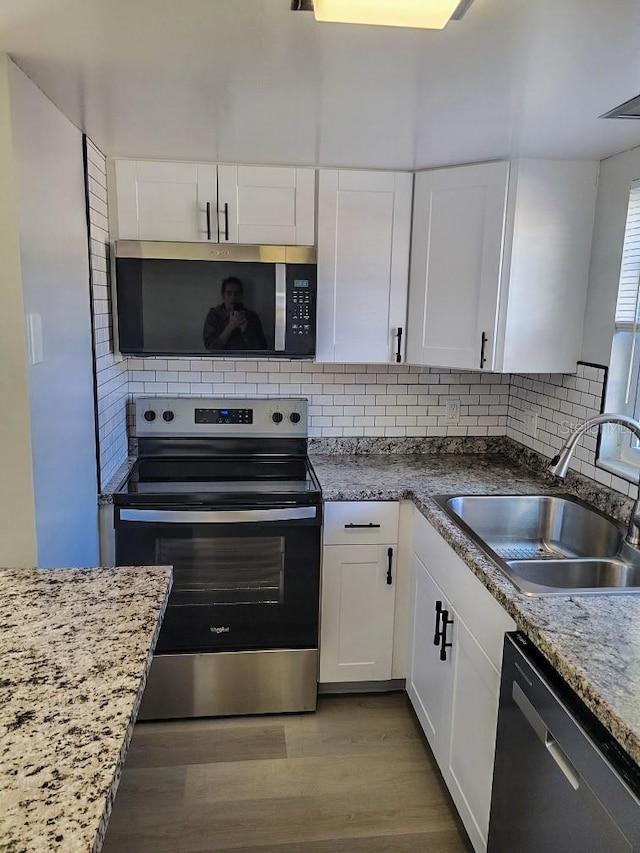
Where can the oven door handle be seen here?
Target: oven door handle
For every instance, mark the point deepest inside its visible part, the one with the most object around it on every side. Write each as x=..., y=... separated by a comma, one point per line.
x=219, y=516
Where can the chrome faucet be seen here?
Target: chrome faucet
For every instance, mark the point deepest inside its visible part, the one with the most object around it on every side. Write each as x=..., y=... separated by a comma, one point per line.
x=560, y=463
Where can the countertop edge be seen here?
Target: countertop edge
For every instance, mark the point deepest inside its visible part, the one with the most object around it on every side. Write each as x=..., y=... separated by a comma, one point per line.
x=120, y=761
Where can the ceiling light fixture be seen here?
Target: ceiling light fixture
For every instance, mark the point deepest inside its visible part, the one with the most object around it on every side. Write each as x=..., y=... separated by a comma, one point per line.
x=630, y=109
x=424, y=14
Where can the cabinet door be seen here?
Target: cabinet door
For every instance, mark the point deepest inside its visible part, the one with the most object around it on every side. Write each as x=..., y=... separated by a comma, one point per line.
x=430, y=678
x=356, y=638
x=165, y=201
x=458, y=226
x=363, y=261
x=266, y=204
x=471, y=747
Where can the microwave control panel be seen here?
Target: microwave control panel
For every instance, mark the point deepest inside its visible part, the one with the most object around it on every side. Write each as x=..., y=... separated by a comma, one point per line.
x=301, y=309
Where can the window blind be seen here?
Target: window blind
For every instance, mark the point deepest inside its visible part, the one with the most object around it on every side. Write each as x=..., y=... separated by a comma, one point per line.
x=628, y=304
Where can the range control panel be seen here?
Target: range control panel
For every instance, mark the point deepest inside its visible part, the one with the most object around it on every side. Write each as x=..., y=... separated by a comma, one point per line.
x=224, y=416
x=258, y=417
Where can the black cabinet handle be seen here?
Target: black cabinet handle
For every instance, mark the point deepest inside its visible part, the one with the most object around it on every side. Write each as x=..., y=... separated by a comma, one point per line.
x=390, y=558
x=399, y=352
x=366, y=526
x=483, y=344
x=444, y=645
x=208, y=220
x=226, y=221
x=436, y=635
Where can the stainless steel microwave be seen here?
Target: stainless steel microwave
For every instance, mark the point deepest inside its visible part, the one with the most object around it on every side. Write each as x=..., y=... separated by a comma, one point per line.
x=198, y=299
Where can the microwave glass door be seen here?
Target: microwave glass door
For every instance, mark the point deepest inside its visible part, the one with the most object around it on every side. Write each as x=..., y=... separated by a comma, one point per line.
x=165, y=304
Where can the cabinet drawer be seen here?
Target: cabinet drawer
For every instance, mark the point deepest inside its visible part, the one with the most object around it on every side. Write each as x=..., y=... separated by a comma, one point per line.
x=360, y=522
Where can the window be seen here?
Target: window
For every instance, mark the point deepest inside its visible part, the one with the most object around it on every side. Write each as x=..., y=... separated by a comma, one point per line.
x=619, y=449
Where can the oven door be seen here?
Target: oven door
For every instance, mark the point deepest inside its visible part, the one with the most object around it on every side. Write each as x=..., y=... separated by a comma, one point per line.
x=243, y=579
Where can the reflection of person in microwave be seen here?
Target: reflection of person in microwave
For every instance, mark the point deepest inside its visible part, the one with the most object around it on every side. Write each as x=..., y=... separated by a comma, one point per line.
x=230, y=325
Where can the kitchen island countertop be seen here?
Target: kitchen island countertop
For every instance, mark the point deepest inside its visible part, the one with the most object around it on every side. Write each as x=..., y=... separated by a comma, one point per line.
x=76, y=646
x=593, y=641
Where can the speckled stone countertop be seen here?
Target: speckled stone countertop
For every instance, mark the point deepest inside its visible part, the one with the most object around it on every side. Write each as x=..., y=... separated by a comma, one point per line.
x=76, y=646
x=593, y=641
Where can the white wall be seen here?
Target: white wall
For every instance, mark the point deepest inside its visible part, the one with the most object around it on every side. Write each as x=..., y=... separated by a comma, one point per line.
x=616, y=176
x=55, y=286
x=17, y=511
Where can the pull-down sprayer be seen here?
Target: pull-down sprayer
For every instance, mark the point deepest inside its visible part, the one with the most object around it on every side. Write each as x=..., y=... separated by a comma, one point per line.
x=560, y=462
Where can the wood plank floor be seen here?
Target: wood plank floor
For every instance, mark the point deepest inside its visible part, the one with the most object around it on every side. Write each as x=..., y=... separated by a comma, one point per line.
x=355, y=776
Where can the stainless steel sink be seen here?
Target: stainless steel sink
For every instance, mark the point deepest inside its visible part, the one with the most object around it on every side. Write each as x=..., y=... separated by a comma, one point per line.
x=549, y=545
x=584, y=573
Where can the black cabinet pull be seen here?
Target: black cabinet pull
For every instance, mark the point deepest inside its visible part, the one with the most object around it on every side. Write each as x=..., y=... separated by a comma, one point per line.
x=444, y=645
x=399, y=352
x=226, y=221
x=208, y=220
x=436, y=635
x=366, y=526
x=390, y=558
x=483, y=344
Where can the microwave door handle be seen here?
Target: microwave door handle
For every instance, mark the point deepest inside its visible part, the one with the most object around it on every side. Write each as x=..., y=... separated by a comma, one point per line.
x=213, y=516
x=281, y=308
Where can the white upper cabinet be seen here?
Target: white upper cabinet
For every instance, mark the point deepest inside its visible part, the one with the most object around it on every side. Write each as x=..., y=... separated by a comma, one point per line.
x=164, y=201
x=205, y=202
x=499, y=265
x=364, y=228
x=264, y=204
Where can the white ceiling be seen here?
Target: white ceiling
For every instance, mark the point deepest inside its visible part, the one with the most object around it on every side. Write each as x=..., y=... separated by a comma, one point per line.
x=251, y=81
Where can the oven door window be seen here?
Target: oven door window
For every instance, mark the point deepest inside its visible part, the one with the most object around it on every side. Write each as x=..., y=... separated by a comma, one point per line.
x=235, y=586
x=220, y=570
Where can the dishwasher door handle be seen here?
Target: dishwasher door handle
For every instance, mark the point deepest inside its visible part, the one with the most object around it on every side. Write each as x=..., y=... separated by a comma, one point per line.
x=558, y=755
x=546, y=738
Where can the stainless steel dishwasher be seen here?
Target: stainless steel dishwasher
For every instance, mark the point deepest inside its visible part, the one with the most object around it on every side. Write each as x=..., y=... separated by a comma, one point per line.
x=561, y=782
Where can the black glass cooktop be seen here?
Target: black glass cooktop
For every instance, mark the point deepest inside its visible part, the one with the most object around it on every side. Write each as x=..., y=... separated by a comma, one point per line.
x=217, y=479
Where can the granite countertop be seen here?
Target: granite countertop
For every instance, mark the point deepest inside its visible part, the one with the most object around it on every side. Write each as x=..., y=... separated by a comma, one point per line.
x=76, y=646
x=593, y=641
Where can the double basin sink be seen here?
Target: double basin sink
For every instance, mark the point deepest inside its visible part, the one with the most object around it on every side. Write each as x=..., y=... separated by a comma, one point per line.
x=548, y=545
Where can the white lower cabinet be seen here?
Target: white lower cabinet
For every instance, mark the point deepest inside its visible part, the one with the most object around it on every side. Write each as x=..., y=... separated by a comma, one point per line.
x=454, y=688
x=357, y=613
x=429, y=680
x=359, y=566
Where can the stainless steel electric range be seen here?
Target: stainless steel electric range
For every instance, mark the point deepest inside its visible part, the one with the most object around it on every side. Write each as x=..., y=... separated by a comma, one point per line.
x=223, y=491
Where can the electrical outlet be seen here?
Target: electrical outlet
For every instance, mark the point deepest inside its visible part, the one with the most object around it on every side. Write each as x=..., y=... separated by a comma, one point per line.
x=531, y=423
x=452, y=411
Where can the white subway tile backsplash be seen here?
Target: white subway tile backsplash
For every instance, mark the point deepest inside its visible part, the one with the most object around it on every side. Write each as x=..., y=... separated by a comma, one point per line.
x=562, y=404
x=112, y=379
